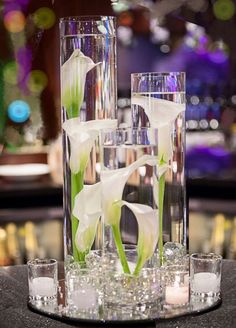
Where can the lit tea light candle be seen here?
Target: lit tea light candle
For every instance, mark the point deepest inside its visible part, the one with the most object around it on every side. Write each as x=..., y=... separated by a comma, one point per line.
x=43, y=287
x=177, y=295
x=205, y=282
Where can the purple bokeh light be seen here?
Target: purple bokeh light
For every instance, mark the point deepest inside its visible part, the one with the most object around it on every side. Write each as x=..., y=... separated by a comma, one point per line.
x=9, y=5
x=24, y=59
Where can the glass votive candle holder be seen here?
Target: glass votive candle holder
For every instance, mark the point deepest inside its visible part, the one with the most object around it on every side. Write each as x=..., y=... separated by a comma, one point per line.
x=205, y=274
x=176, y=285
x=82, y=290
x=42, y=279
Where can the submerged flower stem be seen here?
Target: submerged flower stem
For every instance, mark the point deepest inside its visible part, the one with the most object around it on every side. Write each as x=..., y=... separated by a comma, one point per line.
x=77, y=182
x=120, y=249
x=160, y=205
x=138, y=267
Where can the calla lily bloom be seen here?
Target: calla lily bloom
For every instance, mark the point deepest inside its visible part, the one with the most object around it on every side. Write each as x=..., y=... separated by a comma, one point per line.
x=161, y=113
x=113, y=183
x=82, y=136
x=147, y=219
x=73, y=76
x=87, y=210
x=161, y=171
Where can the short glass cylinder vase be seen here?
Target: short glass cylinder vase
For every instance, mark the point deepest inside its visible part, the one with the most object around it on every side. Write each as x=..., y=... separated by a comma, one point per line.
x=88, y=101
x=130, y=214
x=158, y=101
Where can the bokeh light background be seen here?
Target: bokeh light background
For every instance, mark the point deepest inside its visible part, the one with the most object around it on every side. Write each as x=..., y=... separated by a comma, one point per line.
x=22, y=81
x=29, y=60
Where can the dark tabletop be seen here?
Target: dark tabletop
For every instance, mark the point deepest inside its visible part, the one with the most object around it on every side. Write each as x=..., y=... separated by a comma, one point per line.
x=15, y=314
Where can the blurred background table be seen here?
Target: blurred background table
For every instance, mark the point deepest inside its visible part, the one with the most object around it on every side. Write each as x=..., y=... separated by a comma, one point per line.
x=31, y=218
x=15, y=313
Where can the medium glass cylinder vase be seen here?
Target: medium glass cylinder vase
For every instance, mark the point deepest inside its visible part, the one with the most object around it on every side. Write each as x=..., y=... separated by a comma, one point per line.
x=129, y=201
x=88, y=102
x=158, y=101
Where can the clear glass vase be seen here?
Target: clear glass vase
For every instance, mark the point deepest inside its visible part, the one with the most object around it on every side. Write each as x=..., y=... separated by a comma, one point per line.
x=88, y=101
x=130, y=215
x=158, y=101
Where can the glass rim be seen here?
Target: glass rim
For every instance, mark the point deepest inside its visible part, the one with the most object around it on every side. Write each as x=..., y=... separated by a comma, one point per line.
x=205, y=257
x=42, y=262
x=86, y=18
x=157, y=73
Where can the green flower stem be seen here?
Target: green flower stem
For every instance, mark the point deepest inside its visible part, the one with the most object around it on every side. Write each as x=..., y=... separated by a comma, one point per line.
x=77, y=183
x=139, y=266
x=160, y=206
x=120, y=249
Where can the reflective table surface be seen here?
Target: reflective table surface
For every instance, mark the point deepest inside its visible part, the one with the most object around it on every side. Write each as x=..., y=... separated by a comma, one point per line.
x=15, y=312
x=103, y=313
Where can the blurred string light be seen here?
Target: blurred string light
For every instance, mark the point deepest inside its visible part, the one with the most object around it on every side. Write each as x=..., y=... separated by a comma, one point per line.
x=233, y=99
x=123, y=5
x=196, y=38
x=224, y=9
x=10, y=73
x=194, y=100
x=159, y=33
x=19, y=111
x=119, y=6
x=18, y=76
x=125, y=34
x=203, y=124
x=214, y=124
x=14, y=21
x=195, y=30
x=165, y=48
x=159, y=9
x=37, y=81
x=44, y=18
x=218, y=52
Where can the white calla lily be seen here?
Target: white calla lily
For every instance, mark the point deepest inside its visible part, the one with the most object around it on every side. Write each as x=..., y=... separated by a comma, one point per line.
x=161, y=113
x=82, y=136
x=73, y=76
x=147, y=219
x=87, y=209
x=113, y=183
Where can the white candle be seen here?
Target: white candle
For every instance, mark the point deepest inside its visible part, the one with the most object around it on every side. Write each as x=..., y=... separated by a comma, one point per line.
x=177, y=295
x=205, y=282
x=43, y=287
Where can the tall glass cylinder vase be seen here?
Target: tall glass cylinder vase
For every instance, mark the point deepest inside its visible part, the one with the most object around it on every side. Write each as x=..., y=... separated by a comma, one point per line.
x=88, y=101
x=158, y=101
